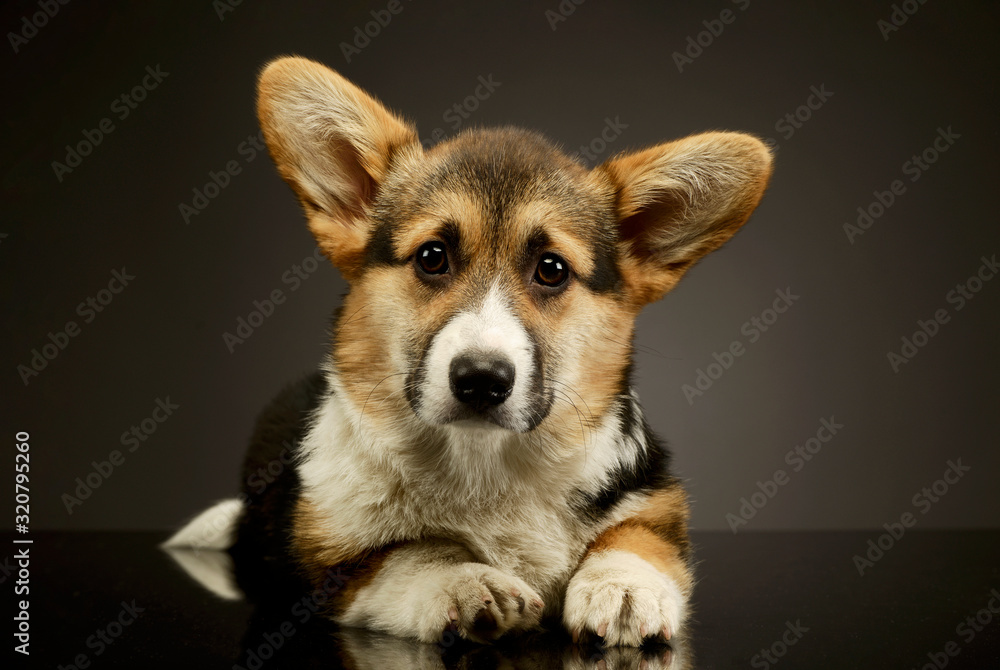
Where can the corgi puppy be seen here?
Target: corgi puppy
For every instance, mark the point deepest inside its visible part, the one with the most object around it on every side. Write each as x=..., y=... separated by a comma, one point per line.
x=472, y=456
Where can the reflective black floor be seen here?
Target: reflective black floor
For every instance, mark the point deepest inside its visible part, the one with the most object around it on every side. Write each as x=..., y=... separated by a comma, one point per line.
x=785, y=600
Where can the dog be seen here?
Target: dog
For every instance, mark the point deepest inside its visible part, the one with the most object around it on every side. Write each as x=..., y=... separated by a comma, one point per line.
x=472, y=457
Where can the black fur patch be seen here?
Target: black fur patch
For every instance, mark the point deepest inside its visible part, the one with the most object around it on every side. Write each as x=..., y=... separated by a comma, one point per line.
x=606, y=276
x=543, y=397
x=379, y=250
x=270, y=484
x=649, y=472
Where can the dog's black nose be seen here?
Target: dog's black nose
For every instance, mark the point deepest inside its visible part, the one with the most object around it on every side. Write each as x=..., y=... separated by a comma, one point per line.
x=481, y=381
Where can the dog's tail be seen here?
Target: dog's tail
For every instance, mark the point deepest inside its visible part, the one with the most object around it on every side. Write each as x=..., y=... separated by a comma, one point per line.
x=213, y=531
x=215, y=528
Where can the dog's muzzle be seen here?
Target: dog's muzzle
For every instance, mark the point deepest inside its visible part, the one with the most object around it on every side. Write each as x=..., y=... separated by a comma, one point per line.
x=480, y=368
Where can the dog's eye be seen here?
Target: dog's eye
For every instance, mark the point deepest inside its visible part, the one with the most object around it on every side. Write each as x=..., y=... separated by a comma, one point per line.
x=552, y=270
x=432, y=258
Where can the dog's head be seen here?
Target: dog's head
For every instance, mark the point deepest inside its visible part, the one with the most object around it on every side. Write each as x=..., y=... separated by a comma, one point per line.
x=494, y=281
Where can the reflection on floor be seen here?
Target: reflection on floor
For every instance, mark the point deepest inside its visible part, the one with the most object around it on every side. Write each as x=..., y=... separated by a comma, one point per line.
x=287, y=625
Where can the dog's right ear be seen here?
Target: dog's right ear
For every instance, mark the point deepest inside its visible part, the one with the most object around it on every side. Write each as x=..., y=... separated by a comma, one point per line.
x=334, y=144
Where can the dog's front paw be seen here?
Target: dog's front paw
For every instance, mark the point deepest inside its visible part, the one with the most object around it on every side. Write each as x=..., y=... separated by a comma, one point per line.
x=620, y=597
x=479, y=603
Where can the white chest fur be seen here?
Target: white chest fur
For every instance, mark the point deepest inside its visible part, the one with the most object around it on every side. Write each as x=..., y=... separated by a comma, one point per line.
x=512, y=512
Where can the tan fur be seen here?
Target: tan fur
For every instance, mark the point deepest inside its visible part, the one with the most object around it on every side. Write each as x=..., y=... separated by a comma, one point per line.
x=649, y=546
x=657, y=533
x=352, y=568
x=666, y=512
x=333, y=144
x=313, y=544
x=360, y=346
x=356, y=576
x=607, y=343
x=446, y=205
x=546, y=215
x=681, y=200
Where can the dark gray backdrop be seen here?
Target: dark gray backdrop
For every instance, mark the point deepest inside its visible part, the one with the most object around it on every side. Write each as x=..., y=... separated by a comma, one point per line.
x=880, y=94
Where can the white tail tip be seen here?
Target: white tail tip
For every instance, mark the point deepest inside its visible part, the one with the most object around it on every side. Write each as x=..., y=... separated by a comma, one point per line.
x=214, y=528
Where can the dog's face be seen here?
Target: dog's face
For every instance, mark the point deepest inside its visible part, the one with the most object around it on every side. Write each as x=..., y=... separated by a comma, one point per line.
x=487, y=262
x=494, y=281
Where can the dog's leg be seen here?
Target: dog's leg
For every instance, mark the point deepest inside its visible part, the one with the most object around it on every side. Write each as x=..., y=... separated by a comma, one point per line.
x=420, y=589
x=635, y=579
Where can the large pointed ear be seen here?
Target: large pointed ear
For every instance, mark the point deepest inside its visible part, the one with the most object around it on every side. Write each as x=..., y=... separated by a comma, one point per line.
x=680, y=200
x=334, y=144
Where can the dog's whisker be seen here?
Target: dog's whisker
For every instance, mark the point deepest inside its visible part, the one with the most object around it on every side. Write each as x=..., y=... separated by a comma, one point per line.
x=591, y=419
x=354, y=314
x=583, y=429
x=638, y=347
x=396, y=374
x=409, y=386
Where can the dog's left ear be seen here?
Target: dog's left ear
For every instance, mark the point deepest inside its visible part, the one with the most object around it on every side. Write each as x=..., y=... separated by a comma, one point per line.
x=334, y=144
x=678, y=201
